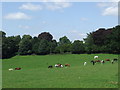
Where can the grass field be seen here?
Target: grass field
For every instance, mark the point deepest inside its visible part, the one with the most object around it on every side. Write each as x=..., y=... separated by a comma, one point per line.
x=36, y=74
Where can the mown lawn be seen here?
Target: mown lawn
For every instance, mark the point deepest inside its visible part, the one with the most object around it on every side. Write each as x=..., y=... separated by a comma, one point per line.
x=35, y=74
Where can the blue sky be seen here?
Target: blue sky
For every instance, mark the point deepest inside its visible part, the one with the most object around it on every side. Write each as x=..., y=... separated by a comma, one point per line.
x=71, y=19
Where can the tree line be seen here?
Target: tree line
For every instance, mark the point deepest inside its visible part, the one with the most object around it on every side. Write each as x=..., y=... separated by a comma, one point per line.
x=99, y=41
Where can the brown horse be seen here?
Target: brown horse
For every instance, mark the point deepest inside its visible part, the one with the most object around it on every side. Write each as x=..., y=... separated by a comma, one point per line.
x=97, y=61
x=17, y=68
x=107, y=60
x=67, y=65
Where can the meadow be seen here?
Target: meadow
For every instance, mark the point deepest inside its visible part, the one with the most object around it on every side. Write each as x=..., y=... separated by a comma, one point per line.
x=36, y=74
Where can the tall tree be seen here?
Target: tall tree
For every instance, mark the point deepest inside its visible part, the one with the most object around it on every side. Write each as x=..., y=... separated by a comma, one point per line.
x=89, y=43
x=25, y=46
x=64, y=45
x=2, y=36
x=35, y=44
x=9, y=46
x=43, y=47
x=3, y=46
x=64, y=40
x=100, y=35
x=53, y=45
x=78, y=47
x=17, y=40
x=113, y=40
x=46, y=36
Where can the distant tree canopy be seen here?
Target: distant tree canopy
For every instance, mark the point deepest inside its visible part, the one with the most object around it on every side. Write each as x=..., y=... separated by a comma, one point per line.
x=64, y=40
x=100, y=41
x=64, y=45
x=10, y=46
x=99, y=36
x=46, y=36
x=25, y=45
x=78, y=47
x=103, y=41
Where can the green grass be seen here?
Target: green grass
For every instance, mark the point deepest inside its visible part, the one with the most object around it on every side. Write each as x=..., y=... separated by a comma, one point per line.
x=35, y=74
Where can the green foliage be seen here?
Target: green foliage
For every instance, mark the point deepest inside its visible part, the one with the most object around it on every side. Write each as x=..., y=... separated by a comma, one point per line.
x=64, y=40
x=64, y=48
x=46, y=36
x=10, y=46
x=35, y=44
x=103, y=41
x=114, y=40
x=35, y=48
x=2, y=34
x=43, y=47
x=52, y=45
x=99, y=36
x=78, y=47
x=64, y=45
x=25, y=45
x=89, y=43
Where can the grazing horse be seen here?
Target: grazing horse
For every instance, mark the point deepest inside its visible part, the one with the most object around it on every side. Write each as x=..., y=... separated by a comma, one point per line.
x=93, y=62
x=67, y=65
x=97, y=61
x=112, y=61
x=58, y=65
x=107, y=59
x=17, y=68
x=85, y=63
x=10, y=69
x=50, y=66
x=95, y=57
x=115, y=59
x=102, y=61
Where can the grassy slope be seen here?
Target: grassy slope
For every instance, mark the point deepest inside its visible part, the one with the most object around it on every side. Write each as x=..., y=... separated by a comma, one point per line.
x=35, y=74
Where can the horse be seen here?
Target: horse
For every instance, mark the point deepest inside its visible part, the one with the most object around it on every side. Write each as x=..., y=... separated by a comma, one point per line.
x=58, y=65
x=85, y=63
x=17, y=68
x=97, y=61
x=10, y=69
x=50, y=66
x=115, y=59
x=102, y=61
x=107, y=60
x=112, y=61
x=93, y=62
x=95, y=57
x=67, y=65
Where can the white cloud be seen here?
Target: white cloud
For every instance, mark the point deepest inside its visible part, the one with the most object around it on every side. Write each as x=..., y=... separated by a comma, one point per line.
x=18, y=15
x=23, y=26
x=110, y=11
x=32, y=7
x=46, y=5
x=57, y=5
x=110, y=8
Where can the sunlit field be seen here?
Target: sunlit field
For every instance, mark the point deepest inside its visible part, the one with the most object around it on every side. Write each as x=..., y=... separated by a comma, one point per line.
x=36, y=74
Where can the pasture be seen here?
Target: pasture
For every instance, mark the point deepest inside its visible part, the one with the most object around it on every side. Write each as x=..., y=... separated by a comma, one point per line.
x=36, y=74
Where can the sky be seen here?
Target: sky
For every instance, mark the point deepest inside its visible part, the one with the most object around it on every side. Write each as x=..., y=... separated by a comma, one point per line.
x=71, y=19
